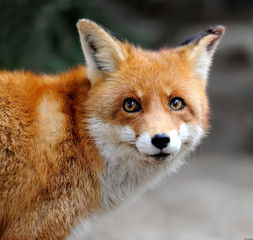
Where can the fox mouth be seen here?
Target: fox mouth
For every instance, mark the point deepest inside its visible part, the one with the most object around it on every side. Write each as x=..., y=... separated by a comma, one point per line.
x=160, y=156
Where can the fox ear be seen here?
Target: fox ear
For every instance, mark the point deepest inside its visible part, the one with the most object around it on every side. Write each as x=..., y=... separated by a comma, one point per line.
x=199, y=50
x=102, y=49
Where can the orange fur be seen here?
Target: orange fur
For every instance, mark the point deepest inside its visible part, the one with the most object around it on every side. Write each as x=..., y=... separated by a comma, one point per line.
x=155, y=72
x=51, y=166
x=45, y=185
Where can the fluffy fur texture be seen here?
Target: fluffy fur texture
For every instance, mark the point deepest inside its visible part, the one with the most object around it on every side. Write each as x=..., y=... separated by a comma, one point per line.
x=68, y=149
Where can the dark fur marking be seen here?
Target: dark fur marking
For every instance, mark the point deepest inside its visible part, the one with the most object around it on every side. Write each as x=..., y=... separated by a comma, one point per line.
x=110, y=32
x=92, y=46
x=100, y=64
x=90, y=43
x=200, y=35
x=94, y=50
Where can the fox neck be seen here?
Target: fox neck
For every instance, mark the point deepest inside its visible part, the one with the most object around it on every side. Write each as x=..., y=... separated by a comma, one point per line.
x=126, y=179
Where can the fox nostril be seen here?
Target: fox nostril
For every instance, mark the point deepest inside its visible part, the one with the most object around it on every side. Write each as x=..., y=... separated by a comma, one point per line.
x=160, y=141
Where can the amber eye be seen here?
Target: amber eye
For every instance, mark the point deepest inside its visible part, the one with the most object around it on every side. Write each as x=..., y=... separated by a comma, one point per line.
x=131, y=105
x=176, y=104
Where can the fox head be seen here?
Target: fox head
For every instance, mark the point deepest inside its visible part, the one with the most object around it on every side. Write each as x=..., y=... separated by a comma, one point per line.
x=149, y=105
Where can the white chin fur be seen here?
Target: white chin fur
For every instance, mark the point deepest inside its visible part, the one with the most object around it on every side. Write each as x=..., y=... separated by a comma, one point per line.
x=128, y=169
x=190, y=134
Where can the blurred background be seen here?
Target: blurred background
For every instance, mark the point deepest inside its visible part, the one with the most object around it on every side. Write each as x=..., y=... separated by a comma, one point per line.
x=211, y=197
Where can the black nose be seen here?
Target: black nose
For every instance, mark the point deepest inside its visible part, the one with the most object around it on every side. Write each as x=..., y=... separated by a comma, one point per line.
x=160, y=141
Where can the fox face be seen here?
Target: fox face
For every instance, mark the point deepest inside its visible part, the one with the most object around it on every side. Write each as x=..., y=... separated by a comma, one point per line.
x=150, y=105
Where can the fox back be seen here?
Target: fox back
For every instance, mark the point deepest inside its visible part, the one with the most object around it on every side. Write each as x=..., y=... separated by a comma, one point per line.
x=78, y=144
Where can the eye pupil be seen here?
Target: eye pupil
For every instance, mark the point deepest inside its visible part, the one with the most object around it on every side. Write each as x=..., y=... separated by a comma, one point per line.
x=130, y=105
x=176, y=103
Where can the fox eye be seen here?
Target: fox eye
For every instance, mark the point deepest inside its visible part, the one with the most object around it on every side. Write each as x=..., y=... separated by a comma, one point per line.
x=176, y=104
x=131, y=105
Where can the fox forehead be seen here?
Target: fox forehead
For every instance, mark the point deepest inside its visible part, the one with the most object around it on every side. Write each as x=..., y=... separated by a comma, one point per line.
x=164, y=71
x=150, y=72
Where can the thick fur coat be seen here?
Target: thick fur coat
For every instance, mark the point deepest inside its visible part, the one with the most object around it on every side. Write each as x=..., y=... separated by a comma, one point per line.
x=77, y=144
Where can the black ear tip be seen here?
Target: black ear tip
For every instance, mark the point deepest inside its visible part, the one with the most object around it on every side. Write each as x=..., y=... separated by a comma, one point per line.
x=216, y=30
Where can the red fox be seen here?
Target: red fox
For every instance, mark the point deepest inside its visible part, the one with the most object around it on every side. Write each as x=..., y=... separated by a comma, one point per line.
x=76, y=145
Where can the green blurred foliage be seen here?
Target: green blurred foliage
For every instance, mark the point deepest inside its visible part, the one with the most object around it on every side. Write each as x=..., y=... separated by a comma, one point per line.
x=41, y=35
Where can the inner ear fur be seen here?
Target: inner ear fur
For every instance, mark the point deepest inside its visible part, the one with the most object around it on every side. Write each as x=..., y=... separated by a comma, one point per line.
x=103, y=50
x=200, y=48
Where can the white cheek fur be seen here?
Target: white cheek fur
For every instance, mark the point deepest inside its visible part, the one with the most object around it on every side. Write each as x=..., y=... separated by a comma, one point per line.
x=107, y=136
x=191, y=134
x=125, y=134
